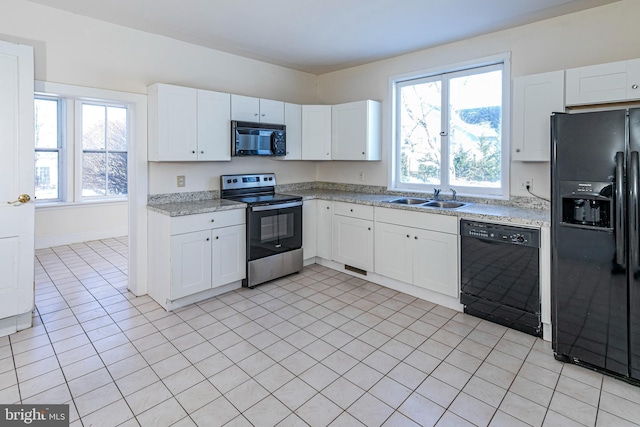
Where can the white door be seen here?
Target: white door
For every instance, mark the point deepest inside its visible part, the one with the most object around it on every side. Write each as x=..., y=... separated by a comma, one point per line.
x=17, y=178
x=228, y=254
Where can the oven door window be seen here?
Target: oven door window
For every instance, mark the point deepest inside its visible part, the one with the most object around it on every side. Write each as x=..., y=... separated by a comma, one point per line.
x=274, y=231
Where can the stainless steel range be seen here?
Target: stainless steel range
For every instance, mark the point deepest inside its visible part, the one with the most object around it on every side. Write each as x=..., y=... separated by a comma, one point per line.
x=274, y=226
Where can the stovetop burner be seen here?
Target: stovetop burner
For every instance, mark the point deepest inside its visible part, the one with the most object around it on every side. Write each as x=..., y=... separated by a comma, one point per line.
x=253, y=189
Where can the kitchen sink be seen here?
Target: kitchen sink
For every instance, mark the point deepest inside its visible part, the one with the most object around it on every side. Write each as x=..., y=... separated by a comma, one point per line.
x=445, y=204
x=409, y=201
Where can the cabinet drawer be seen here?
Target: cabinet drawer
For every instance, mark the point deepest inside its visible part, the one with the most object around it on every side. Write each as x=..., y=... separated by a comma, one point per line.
x=353, y=210
x=207, y=221
x=423, y=220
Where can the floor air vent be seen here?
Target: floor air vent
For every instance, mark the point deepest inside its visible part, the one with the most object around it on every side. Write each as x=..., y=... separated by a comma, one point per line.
x=355, y=270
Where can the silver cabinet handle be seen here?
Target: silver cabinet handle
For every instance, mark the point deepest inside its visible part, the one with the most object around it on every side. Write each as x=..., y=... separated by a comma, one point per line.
x=634, y=86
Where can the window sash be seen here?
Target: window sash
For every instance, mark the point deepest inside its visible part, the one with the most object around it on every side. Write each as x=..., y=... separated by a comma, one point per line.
x=445, y=174
x=81, y=151
x=59, y=150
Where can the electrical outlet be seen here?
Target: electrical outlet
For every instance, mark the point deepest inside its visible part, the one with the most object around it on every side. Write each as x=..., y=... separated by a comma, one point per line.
x=524, y=182
x=361, y=176
x=180, y=181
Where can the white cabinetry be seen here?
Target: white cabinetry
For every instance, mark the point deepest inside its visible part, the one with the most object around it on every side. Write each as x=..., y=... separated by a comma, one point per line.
x=309, y=229
x=293, y=122
x=324, y=233
x=249, y=109
x=603, y=83
x=190, y=263
x=353, y=235
x=316, y=132
x=418, y=248
x=187, y=124
x=535, y=97
x=194, y=254
x=356, y=131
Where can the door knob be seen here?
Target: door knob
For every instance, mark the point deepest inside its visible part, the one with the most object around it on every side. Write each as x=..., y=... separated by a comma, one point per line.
x=23, y=198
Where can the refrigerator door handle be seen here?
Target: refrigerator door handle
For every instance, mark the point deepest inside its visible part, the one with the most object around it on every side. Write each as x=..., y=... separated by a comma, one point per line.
x=634, y=236
x=619, y=221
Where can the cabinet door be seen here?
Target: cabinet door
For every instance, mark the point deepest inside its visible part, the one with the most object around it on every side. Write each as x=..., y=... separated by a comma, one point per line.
x=597, y=84
x=271, y=111
x=172, y=123
x=190, y=263
x=228, y=262
x=214, y=125
x=633, y=79
x=316, y=132
x=353, y=242
x=355, y=131
x=435, y=262
x=393, y=251
x=245, y=108
x=309, y=228
x=535, y=97
x=324, y=236
x=293, y=122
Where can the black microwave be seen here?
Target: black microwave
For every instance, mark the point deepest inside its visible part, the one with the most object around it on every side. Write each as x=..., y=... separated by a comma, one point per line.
x=258, y=139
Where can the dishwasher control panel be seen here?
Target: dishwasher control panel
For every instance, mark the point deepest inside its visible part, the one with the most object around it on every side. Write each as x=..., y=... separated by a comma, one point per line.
x=500, y=233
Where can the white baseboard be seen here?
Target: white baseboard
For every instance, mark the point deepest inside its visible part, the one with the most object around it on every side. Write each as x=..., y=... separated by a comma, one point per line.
x=68, y=239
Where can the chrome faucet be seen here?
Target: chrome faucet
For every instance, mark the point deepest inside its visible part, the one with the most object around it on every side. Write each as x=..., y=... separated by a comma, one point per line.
x=453, y=192
x=436, y=193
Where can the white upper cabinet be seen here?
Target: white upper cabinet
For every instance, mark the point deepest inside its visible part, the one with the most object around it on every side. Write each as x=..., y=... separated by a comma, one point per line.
x=535, y=97
x=187, y=124
x=603, y=83
x=316, y=132
x=293, y=122
x=214, y=125
x=356, y=131
x=172, y=123
x=249, y=109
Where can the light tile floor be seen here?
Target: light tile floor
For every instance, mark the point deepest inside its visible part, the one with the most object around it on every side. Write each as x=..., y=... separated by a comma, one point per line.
x=317, y=348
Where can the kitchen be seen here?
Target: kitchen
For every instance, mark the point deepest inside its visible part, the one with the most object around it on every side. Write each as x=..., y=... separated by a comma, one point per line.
x=144, y=61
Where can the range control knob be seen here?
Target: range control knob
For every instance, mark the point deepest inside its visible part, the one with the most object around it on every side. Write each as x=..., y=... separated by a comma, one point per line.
x=518, y=238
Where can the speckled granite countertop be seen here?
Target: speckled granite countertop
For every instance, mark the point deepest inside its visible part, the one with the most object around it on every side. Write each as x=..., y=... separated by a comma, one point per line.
x=482, y=209
x=475, y=210
x=195, y=207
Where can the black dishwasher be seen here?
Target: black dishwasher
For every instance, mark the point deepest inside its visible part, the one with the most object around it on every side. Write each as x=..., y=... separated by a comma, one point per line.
x=500, y=274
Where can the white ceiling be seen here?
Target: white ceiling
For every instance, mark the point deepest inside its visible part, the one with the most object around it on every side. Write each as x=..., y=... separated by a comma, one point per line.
x=320, y=36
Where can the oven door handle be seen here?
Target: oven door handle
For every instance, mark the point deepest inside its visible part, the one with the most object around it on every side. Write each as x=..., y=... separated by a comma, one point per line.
x=276, y=206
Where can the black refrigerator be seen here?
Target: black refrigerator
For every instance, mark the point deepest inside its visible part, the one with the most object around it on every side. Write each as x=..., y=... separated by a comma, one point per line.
x=595, y=262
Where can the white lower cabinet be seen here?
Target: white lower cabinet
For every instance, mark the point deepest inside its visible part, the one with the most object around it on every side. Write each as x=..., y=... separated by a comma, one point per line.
x=418, y=248
x=193, y=254
x=190, y=263
x=353, y=235
x=324, y=232
x=228, y=255
x=309, y=229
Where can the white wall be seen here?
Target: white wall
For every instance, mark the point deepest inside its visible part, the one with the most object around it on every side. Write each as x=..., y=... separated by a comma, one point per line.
x=604, y=34
x=82, y=51
x=54, y=228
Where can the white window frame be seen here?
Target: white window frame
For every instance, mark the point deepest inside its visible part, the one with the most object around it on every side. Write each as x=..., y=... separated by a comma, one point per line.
x=79, y=149
x=453, y=70
x=72, y=99
x=62, y=148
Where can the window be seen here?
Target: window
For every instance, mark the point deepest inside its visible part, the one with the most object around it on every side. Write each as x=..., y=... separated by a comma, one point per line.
x=449, y=132
x=81, y=149
x=104, y=150
x=48, y=147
